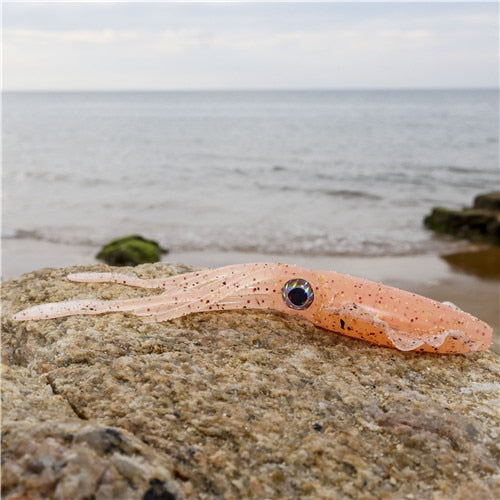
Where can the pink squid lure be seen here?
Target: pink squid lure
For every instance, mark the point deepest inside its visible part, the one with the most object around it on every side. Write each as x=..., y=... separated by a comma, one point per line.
x=340, y=303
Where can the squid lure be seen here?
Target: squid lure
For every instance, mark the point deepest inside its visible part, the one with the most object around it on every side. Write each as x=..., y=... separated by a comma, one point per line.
x=340, y=303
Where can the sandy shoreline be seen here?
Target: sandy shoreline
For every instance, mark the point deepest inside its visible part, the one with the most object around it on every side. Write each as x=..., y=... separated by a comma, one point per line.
x=427, y=274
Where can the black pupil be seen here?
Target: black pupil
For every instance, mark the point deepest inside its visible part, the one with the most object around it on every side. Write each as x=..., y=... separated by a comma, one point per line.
x=297, y=296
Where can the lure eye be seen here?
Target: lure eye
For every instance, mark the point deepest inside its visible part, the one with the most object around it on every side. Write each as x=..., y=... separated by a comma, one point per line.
x=297, y=294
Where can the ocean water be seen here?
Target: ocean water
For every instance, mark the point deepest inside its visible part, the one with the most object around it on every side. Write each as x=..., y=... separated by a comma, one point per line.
x=286, y=172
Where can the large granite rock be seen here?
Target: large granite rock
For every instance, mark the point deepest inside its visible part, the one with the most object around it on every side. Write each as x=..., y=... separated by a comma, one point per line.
x=232, y=405
x=481, y=223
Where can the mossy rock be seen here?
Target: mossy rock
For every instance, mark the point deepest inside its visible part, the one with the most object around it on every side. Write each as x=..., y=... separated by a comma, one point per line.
x=131, y=251
x=479, y=224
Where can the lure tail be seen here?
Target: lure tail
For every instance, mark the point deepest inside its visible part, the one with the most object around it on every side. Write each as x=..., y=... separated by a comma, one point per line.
x=182, y=294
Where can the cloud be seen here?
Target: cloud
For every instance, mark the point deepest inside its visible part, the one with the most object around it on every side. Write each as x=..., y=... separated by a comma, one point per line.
x=31, y=37
x=246, y=45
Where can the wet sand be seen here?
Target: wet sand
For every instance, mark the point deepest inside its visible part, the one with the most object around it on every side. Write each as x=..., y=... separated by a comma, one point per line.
x=470, y=280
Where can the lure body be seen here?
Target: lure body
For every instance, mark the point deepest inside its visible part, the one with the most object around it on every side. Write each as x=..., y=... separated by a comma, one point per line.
x=351, y=306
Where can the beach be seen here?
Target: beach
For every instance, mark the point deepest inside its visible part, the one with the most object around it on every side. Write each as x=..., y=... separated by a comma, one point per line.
x=209, y=186
x=475, y=290
x=313, y=173
x=250, y=250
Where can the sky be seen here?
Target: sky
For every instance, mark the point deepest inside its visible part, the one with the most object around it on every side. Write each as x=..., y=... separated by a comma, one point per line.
x=188, y=46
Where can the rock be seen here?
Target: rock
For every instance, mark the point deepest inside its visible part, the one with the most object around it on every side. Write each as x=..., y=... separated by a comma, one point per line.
x=488, y=201
x=480, y=223
x=232, y=405
x=131, y=251
x=70, y=460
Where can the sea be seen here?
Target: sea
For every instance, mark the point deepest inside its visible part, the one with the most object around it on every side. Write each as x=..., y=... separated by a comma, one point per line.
x=320, y=173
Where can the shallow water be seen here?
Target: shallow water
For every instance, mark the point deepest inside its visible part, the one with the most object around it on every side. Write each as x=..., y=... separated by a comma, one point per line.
x=295, y=173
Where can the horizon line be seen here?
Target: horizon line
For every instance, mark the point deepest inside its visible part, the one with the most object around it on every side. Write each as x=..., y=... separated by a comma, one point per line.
x=264, y=89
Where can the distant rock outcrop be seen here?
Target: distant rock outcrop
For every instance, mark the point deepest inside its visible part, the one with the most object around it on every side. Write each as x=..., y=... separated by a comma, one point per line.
x=232, y=405
x=481, y=223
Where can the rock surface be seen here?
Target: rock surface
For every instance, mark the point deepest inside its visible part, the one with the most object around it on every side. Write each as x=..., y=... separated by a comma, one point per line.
x=232, y=405
x=481, y=223
x=488, y=201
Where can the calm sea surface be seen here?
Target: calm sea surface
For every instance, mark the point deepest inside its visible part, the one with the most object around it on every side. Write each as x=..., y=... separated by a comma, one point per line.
x=312, y=172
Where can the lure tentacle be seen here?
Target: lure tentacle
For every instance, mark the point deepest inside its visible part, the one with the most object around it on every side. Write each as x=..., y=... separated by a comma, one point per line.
x=122, y=279
x=69, y=308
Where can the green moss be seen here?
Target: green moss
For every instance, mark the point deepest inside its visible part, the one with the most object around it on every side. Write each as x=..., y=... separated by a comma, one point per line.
x=438, y=219
x=131, y=251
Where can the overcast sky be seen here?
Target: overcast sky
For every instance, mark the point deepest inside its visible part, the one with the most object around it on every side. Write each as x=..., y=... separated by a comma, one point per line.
x=53, y=46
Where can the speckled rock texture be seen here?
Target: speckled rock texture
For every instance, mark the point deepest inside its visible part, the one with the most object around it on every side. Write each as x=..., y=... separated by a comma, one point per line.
x=232, y=405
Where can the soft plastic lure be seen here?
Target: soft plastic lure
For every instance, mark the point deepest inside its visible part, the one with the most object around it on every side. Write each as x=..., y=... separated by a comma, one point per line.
x=340, y=303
